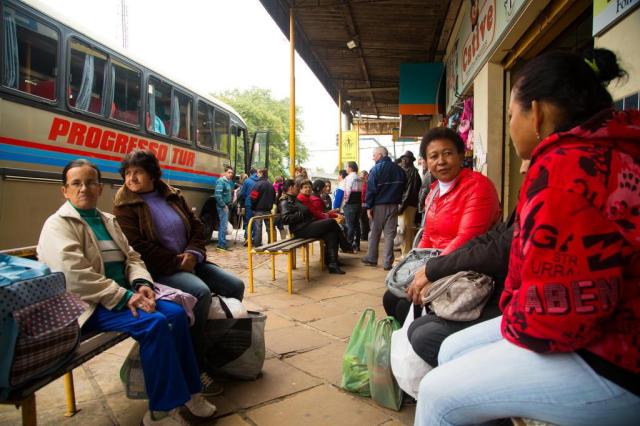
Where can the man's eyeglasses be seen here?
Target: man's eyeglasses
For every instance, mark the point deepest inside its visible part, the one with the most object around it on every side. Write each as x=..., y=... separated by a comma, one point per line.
x=92, y=184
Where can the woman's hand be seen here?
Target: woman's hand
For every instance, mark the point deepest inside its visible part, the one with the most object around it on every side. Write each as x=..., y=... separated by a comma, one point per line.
x=187, y=262
x=148, y=293
x=419, y=285
x=138, y=301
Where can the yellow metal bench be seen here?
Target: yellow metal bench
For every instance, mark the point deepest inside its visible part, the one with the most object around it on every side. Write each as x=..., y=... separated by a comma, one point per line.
x=287, y=246
x=91, y=344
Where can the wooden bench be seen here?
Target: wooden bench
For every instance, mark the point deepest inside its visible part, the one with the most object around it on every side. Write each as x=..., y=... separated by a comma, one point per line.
x=287, y=247
x=91, y=344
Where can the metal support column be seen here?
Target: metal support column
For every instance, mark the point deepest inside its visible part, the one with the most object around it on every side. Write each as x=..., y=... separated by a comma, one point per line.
x=292, y=97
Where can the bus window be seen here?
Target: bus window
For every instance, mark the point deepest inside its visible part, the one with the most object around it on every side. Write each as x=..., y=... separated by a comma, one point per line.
x=221, y=131
x=86, y=70
x=30, y=54
x=181, y=105
x=159, y=106
x=125, y=93
x=205, y=125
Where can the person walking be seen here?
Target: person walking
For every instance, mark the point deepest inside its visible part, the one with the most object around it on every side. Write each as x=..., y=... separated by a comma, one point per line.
x=409, y=204
x=385, y=187
x=224, y=189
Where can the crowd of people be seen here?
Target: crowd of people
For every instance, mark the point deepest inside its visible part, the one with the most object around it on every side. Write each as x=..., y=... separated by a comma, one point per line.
x=558, y=339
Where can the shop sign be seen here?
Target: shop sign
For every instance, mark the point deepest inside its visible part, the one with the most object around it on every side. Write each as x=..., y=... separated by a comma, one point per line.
x=608, y=12
x=482, y=26
x=350, y=146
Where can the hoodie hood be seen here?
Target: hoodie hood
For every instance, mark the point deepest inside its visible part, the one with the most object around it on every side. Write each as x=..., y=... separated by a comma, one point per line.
x=619, y=130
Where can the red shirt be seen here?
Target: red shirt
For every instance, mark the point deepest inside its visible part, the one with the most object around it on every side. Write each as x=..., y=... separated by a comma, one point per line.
x=574, y=267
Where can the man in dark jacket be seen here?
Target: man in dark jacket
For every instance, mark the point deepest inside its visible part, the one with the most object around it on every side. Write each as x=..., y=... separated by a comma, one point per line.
x=262, y=197
x=244, y=194
x=385, y=187
x=409, y=204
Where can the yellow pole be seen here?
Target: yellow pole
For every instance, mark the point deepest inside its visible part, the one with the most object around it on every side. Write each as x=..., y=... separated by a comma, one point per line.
x=339, y=129
x=292, y=97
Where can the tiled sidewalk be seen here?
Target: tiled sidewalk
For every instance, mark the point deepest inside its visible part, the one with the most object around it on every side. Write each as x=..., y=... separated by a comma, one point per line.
x=306, y=335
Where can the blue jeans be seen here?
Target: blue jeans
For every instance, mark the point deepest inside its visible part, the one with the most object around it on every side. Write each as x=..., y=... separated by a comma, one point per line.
x=257, y=228
x=169, y=365
x=248, y=214
x=223, y=215
x=482, y=377
x=206, y=279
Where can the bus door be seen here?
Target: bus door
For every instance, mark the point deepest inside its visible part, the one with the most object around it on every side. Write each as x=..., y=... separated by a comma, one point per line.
x=260, y=150
x=238, y=149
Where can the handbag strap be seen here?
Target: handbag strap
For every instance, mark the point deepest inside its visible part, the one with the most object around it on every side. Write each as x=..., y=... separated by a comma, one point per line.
x=432, y=196
x=224, y=306
x=437, y=288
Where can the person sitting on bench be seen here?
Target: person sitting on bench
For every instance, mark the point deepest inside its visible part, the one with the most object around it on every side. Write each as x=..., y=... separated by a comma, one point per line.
x=302, y=224
x=100, y=266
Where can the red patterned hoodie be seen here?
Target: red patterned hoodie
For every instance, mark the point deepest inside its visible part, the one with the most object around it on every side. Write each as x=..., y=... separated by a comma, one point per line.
x=574, y=268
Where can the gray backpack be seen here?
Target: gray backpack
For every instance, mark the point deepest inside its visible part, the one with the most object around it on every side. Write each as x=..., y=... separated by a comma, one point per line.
x=401, y=276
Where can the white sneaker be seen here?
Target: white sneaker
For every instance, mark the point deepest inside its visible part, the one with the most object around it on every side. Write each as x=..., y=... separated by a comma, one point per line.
x=200, y=407
x=163, y=418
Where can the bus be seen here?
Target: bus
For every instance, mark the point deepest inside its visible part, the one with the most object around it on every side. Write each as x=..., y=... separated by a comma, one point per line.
x=64, y=94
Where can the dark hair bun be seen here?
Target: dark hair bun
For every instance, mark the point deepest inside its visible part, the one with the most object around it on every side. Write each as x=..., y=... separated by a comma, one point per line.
x=608, y=68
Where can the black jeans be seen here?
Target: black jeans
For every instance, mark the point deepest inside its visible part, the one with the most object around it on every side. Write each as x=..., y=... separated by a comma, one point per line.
x=352, y=214
x=397, y=307
x=364, y=225
x=328, y=230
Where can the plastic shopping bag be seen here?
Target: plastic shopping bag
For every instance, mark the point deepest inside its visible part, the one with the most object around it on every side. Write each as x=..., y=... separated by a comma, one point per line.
x=408, y=368
x=355, y=373
x=384, y=388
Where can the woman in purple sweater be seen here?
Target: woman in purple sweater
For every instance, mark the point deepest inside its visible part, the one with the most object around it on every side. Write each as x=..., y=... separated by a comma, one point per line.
x=161, y=227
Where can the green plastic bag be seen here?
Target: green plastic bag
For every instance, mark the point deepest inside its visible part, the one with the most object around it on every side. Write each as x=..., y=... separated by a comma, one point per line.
x=355, y=372
x=384, y=388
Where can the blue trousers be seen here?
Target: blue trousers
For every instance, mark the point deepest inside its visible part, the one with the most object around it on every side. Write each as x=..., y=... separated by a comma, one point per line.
x=206, y=279
x=482, y=377
x=169, y=364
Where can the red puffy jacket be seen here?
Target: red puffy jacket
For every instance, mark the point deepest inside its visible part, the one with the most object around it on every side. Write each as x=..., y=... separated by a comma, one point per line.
x=467, y=210
x=574, y=267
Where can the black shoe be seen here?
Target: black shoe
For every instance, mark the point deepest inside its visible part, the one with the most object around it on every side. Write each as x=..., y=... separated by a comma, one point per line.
x=368, y=262
x=334, y=268
x=388, y=267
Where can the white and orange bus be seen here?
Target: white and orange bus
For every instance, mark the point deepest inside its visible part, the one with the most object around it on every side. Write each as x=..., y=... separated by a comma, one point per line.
x=66, y=95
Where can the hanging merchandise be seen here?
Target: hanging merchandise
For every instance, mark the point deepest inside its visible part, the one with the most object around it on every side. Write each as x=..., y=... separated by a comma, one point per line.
x=466, y=121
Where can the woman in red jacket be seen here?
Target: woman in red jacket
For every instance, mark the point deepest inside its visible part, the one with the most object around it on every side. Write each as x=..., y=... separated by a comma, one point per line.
x=566, y=350
x=461, y=204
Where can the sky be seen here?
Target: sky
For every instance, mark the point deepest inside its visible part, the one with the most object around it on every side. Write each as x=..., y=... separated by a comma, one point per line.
x=217, y=45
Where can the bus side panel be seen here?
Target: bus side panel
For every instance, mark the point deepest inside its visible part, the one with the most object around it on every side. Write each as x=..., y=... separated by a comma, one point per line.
x=34, y=140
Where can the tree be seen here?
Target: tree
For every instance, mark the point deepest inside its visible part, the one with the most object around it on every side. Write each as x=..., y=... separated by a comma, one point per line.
x=262, y=112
